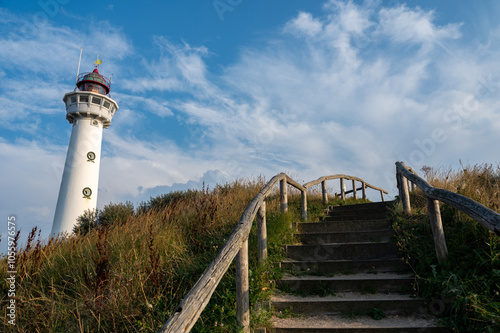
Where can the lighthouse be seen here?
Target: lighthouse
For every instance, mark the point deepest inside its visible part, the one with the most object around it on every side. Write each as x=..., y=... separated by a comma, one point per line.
x=89, y=109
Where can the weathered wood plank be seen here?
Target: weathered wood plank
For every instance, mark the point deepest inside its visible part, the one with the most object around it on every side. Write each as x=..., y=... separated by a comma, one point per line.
x=243, y=289
x=437, y=229
x=404, y=194
x=303, y=196
x=262, y=233
x=295, y=184
x=340, y=176
x=324, y=192
x=347, y=192
x=342, y=189
x=284, y=195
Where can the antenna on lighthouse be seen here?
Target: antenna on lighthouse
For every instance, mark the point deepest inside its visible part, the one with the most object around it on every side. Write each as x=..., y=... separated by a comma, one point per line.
x=79, y=61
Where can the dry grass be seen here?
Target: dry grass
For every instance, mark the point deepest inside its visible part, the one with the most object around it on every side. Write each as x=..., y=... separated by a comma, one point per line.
x=478, y=182
x=126, y=278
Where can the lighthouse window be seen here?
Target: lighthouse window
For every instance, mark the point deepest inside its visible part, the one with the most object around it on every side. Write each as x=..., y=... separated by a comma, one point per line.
x=84, y=99
x=73, y=99
x=96, y=100
x=106, y=104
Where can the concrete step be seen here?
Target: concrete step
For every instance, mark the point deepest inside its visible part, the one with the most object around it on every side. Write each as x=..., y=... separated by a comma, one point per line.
x=376, y=236
x=326, y=267
x=363, y=207
x=349, y=216
x=342, y=251
x=349, y=303
x=364, y=283
x=357, y=324
x=343, y=226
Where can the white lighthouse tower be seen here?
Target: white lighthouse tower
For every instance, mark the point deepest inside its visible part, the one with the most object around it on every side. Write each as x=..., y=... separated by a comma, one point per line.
x=89, y=109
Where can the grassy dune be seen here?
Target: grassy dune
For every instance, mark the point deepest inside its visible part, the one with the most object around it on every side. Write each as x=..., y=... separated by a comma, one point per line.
x=130, y=274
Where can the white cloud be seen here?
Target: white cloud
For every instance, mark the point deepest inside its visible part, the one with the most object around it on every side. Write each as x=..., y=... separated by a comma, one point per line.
x=53, y=51
x=152, y=105
x=414, y=25
x=304, y=24
x=180, y=68
x=348, y=16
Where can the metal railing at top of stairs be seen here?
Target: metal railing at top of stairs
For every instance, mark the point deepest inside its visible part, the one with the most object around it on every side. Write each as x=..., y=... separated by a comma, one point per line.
x=188, y=312
x=485, y=216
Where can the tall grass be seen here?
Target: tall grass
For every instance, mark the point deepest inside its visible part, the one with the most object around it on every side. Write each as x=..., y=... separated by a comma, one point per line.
x=129, y=276
x=465, y=290
x=126, y=277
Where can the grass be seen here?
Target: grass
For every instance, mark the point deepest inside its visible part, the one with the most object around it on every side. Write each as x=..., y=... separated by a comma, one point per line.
x=465, y=290
x=128, y=277
x=130, y=274
x=377, y=314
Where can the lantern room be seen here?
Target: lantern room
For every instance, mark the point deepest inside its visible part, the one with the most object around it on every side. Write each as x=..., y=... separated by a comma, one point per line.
x=93, y=82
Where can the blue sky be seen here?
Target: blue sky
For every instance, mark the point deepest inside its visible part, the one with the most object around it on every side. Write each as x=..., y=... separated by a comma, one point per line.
x=217, y=90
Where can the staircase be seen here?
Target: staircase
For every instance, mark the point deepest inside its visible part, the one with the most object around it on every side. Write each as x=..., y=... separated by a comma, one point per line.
x=346, y=276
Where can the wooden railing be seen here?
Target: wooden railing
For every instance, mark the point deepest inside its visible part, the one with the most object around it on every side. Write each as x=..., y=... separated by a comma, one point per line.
x=236, y=247
x=485, y=216
x=343, y=192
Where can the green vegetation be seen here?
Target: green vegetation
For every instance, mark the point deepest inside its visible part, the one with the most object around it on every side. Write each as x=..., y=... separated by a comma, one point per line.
x=465, y=290
x=377, y=314
x=127, y=272
x=111, y=215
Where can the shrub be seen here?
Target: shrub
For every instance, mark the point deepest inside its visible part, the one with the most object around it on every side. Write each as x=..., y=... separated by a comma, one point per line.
x=110, y=215
x=86, y=222
x=116, y=214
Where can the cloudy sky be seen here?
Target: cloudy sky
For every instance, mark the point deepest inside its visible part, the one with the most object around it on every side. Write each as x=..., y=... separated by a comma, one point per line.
x=220, y=89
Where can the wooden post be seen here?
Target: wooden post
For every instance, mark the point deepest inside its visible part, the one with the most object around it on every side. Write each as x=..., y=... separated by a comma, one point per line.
x=242, y=289
x=437, y=229
x=382, y=195
x=262, y=232
x=303, y=196
x=323, y=190
x=363, y=186
x=284, y=195
x=404, y=195
x=342, y=189
x=354, y=190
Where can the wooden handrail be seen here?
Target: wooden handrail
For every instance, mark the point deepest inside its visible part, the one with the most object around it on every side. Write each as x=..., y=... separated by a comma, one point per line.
x=343, y=192
x=321, y=179
x=236, y=247
x=195, y=301
x=482, y=214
